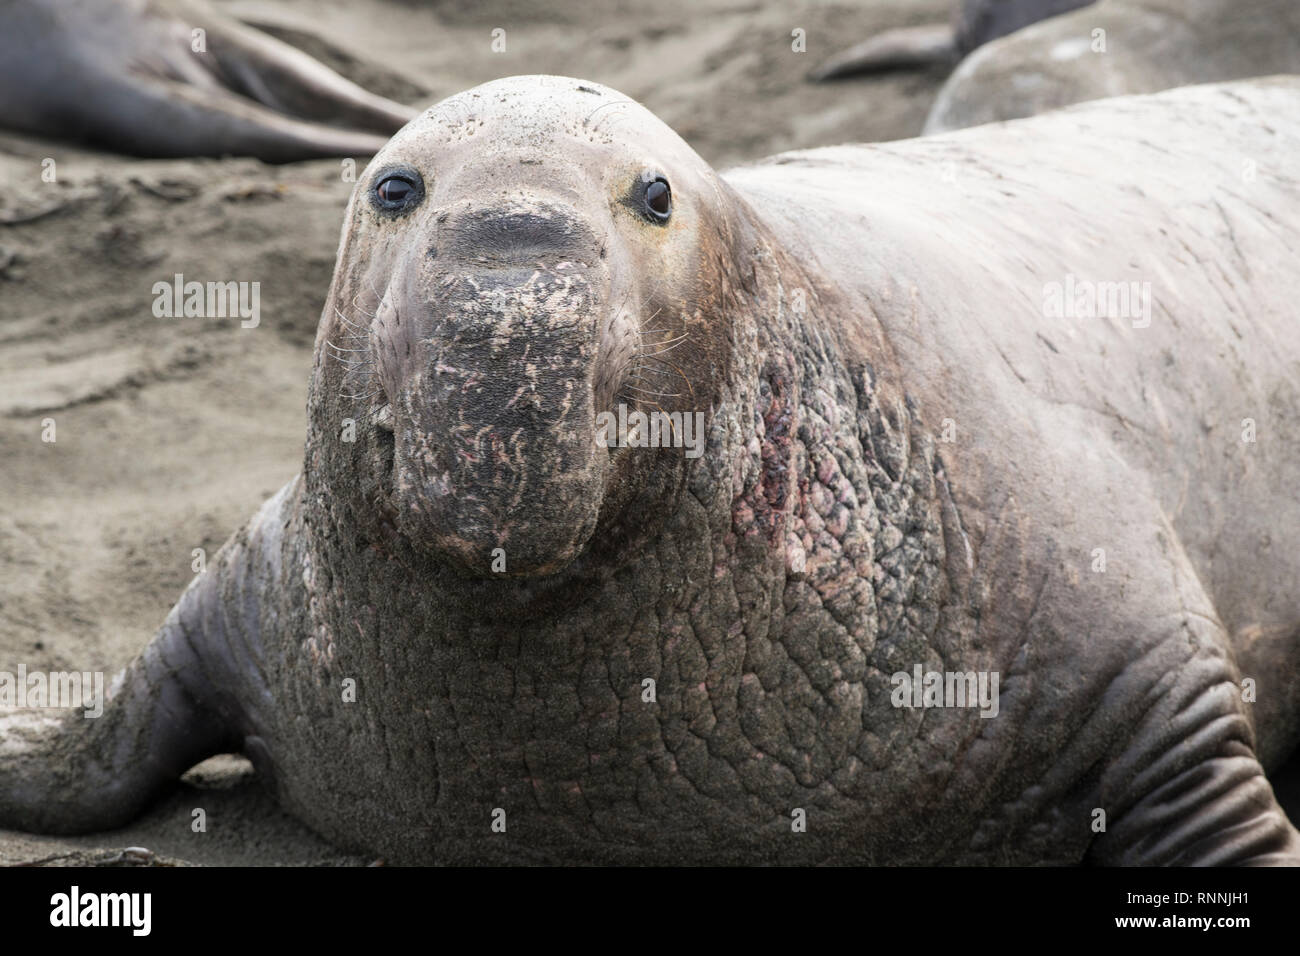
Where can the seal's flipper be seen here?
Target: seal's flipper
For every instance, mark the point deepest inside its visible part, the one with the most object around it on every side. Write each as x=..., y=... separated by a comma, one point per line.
x=130, y=76
x=1218, y=812
x=1188, y=789
x=84, y=774
x=906, y=48
x=286, y=79
x=176, y=119
x=192, y=693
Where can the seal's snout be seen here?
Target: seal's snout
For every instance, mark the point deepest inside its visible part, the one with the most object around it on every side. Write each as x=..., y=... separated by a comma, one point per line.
x=497, y=463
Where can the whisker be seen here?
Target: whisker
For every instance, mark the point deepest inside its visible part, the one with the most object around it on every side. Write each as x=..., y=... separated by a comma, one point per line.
x=337, y=349
x=356, y=329
x=379, y=299
x=357, y=305
x=689, y=387
x=663, y=348
x=637, y=377
x=646, y=391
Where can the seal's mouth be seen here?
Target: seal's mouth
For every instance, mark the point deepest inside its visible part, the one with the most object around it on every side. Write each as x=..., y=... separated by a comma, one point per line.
x=497, y=501
x=382, y=419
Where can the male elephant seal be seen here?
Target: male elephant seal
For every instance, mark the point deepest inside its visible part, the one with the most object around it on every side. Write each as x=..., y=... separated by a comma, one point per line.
x=973, y=23
x=1118, y=47
x=126, y=74
x=918, y=455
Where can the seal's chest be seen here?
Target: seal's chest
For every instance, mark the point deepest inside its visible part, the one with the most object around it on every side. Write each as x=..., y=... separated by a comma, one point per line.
x=569, y=777
x=480, y=812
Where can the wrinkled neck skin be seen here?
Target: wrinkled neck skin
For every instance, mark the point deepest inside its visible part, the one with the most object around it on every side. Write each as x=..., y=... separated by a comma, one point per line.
x=769, y=588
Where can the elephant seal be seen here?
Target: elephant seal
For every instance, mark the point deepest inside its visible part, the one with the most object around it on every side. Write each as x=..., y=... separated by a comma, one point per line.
x=973, y=23
x=481, y=626
x=1117, y=47
x=125, y=74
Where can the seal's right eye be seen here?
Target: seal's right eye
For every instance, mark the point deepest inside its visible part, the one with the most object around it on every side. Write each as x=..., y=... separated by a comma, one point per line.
x=394, y=191
x=397, y=190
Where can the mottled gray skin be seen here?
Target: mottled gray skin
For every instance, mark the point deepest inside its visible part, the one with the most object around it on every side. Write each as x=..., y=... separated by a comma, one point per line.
x=1151, y=45
x=973, y=23
x=123, y=74
x=838, y=306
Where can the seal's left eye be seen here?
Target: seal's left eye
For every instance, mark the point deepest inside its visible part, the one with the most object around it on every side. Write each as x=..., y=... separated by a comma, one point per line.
x=397, y=190
x=659, y=199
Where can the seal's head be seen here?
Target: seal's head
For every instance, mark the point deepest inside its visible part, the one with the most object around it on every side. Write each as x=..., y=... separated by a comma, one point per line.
x=522, y=268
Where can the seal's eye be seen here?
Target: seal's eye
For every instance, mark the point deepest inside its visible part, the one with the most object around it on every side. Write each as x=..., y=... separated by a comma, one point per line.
x=397, y=190
x=394, y=191
x=659, y=199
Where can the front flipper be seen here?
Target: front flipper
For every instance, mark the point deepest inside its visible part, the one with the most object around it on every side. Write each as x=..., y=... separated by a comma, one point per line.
x=192, y=693
x=1188, y=790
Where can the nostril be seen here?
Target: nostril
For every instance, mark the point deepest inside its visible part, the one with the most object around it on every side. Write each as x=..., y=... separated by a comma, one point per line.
x=521, y=235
